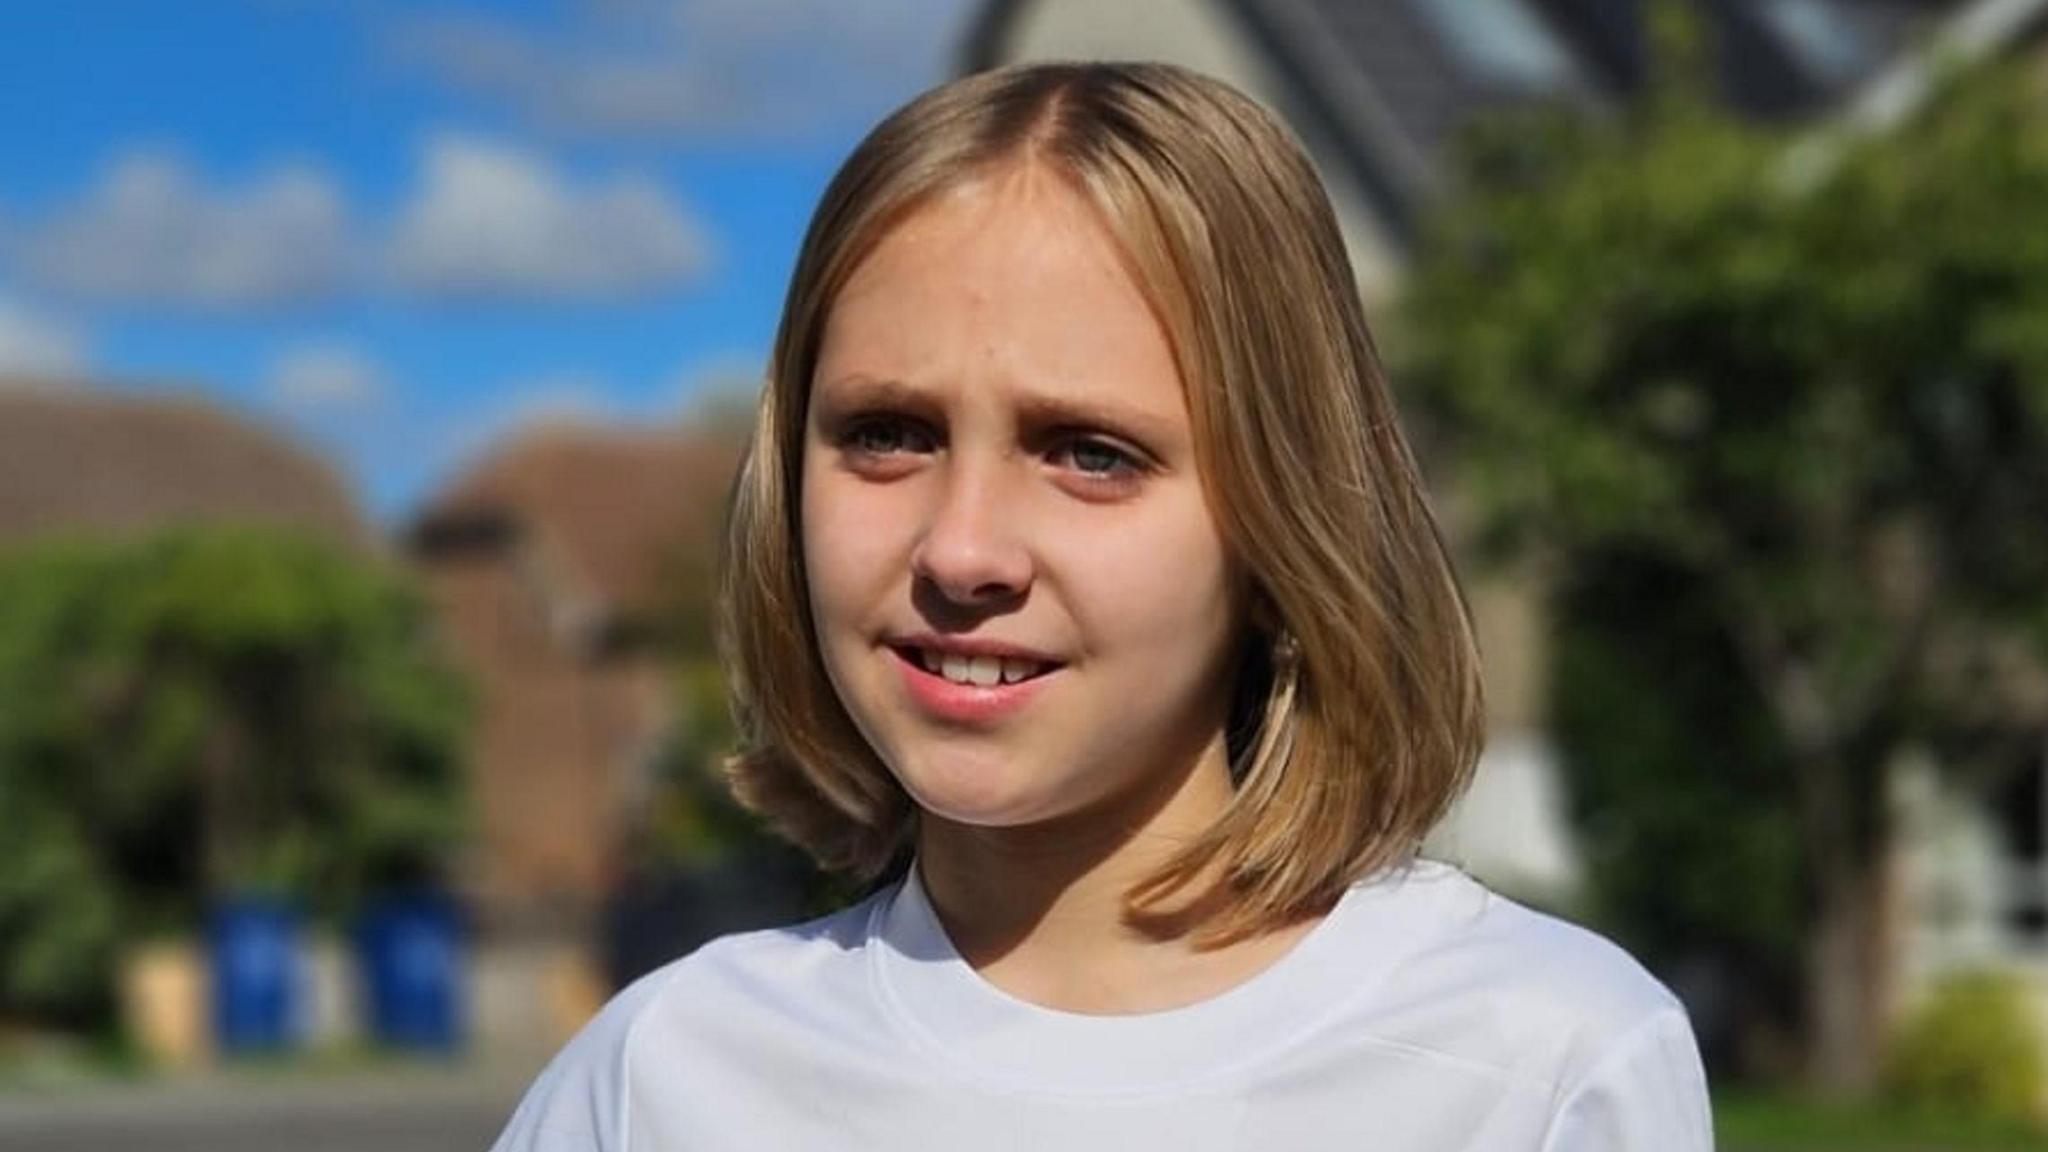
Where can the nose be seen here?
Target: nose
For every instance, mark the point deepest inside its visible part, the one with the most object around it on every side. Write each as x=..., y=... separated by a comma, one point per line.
x=971, y=552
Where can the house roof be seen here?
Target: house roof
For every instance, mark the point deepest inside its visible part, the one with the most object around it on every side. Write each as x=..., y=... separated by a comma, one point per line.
x=73, y=459
x=1392, y=82
x=600, y=509
x=1976, y=30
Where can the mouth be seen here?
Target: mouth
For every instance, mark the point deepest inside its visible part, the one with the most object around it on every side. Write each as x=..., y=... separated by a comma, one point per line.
x=979, y=671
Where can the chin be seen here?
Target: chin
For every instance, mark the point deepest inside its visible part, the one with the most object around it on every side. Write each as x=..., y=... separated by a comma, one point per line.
x=979, y=792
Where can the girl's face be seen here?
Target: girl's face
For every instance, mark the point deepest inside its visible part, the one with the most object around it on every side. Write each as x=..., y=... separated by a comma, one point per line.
x=1018, y=590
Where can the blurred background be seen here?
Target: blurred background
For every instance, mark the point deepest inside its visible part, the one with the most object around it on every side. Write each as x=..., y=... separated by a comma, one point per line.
x=372, y=374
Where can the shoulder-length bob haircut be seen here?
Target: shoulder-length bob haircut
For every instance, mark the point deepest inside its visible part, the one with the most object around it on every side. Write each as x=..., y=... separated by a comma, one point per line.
x=1356, y=716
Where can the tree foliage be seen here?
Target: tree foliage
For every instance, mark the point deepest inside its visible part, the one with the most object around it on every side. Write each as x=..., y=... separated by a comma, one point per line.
x=1777, y=431
x=206, y=711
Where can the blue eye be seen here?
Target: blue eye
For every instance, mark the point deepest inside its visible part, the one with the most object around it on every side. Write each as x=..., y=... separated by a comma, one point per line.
x=885, y=437
x=1098, y=458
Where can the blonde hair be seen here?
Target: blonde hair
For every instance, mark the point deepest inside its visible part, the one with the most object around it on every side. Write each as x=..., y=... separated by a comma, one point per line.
x=1356, y=716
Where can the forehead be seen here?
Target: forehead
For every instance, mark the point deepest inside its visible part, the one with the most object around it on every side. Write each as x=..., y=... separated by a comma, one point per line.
x=1013, y=228
x=1013, y=274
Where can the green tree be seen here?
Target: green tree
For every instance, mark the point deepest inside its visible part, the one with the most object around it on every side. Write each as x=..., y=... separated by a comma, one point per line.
x=199, y=713
x=1787, y=431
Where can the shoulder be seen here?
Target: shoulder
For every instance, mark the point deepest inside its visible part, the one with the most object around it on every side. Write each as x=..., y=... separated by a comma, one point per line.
x=1552, y=1009
x=1553, y=973
x=579, y=1101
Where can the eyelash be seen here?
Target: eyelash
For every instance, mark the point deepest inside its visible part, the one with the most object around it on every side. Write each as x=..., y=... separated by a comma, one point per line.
x=1122, y=465
x=1125, y=464
x=850, y=439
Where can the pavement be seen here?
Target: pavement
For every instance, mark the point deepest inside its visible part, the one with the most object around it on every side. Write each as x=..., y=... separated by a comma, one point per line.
x=409, y=1109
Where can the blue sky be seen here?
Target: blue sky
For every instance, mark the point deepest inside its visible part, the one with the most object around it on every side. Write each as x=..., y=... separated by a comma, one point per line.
x=399, y=230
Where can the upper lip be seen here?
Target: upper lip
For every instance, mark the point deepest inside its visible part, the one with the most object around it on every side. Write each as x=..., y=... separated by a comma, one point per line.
x=971, y=646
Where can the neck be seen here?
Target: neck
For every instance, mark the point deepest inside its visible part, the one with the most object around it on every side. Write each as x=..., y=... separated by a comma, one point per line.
x=1041, y=913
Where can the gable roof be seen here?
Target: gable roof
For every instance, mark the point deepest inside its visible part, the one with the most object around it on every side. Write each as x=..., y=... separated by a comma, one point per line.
x=1980, y=29
x=73, y=459
x=600, y=509
x=1392, y=82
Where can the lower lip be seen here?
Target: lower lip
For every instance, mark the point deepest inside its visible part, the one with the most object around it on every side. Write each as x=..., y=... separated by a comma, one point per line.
x=966, y=703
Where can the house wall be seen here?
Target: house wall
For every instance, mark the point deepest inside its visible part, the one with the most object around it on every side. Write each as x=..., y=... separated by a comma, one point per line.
x=554, y=727
x=1960, y=887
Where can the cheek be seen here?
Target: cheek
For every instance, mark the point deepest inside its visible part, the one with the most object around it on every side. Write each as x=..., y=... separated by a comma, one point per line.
x=849, y=549
x=1162, y=582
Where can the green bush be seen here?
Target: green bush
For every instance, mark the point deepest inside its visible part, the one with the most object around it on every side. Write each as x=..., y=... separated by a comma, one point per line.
x=207, y=711
x=1974, y=1046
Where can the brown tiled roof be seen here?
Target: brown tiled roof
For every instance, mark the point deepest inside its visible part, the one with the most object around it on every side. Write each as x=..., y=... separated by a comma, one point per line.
x=74, y=459
x=603, y=509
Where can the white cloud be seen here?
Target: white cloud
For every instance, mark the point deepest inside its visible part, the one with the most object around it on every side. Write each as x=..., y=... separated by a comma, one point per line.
x=327, y=378
x=37, y=348
x=483, y=220
x=731, y=370
x=152, y=232
x=719, y=387
x=557, y=398
x=492, y=220
x=746, y=68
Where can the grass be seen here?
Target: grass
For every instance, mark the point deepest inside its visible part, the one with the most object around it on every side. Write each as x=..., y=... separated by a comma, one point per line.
x=1757, y=1123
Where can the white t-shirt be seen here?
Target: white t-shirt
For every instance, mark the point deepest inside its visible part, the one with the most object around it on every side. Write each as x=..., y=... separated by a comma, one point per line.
x=1424, y=1014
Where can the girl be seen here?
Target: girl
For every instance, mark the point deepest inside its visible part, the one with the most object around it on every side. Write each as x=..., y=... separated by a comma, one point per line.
x=1079, y=561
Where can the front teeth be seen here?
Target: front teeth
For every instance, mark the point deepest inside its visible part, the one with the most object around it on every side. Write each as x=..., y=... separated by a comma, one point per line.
x=981, y=671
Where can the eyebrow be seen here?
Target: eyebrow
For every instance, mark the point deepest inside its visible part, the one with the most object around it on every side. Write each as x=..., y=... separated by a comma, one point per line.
x=861, y=391
x=853, y=391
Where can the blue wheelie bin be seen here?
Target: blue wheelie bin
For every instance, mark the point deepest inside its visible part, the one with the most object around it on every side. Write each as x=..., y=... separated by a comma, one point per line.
x=254, y=947
x=412, y=954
